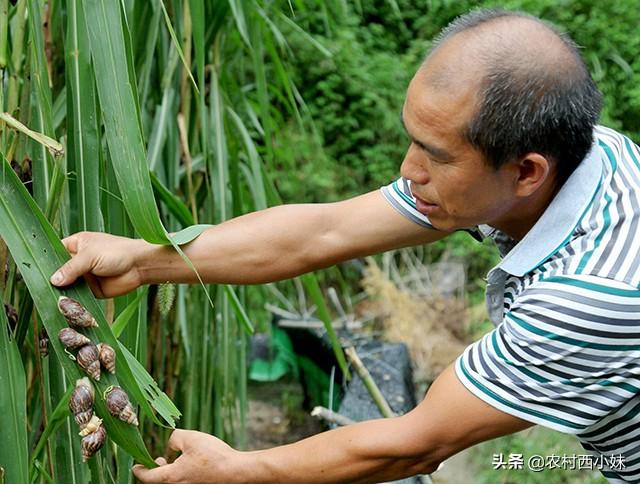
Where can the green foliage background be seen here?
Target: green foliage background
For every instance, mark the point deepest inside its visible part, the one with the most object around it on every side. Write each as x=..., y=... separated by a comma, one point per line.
x=355, y=97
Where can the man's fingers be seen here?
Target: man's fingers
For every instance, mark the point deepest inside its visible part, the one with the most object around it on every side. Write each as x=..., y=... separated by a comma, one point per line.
x=161, y=461
x=149, y=476
x=95, y=285
x=177, y=439
x=71, y=270
x=71, y=243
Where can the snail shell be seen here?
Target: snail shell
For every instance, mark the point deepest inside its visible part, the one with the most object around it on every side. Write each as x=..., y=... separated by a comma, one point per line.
x=43, y=343
x=91, y=426
x=93, y=442
x=71, y=339
x=88, y=358
x=75, y=313
x=81, y=402
x=107, y=357
x=119, y=406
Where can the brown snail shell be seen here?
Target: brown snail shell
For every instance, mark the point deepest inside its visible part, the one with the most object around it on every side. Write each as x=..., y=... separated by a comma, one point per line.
x=119, y=406
x=81, y=402
x=75, y=313
x=71, y=339
x=93, y=442
x=107, y=357
x=43, y=343
x=88, y=358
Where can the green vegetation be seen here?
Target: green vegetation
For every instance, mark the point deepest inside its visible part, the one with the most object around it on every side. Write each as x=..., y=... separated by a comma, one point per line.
x=141, y=118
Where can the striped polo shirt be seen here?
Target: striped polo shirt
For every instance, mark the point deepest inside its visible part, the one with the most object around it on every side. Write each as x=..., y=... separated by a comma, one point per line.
x=565, y=352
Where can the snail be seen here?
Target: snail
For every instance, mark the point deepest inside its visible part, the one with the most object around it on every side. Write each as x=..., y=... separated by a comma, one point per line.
x=119, y=405
x=81, y=402
x=92, y=442
x=75, y=313
x=107, y=357
x=71, y=339
x=88, y=358
x=91, y=426
x=43, y=343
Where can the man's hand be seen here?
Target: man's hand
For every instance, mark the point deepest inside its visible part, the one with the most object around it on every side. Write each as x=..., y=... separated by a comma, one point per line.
x=448, y=420
x=204, y=459
x=107, y=262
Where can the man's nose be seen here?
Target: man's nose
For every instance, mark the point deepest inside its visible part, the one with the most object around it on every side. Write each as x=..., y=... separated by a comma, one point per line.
x=413, y=167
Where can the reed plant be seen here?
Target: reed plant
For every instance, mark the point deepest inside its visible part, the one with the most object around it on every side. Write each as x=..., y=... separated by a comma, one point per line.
x=143, y=118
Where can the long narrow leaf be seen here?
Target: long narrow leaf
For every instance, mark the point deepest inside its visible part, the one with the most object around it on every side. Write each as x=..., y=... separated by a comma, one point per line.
x=122, y=128
x=13, y=402
x=38, y=252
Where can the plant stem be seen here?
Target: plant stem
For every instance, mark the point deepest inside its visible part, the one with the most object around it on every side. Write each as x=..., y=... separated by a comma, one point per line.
x=331, y=416
x=373, y=389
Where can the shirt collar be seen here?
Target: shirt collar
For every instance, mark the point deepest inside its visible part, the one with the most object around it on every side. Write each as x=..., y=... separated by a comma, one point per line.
x=553, y=229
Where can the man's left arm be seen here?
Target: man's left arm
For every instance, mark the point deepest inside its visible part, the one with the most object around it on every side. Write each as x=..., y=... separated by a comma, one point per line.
x=448, y=420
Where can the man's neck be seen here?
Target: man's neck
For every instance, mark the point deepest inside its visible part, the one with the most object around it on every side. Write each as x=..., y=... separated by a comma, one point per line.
x=527, y=212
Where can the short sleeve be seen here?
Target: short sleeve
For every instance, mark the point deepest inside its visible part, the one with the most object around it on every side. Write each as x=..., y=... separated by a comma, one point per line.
x=566, y=355
x=399, y=195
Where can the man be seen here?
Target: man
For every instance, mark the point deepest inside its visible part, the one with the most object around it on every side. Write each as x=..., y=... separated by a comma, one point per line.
x=501, y=119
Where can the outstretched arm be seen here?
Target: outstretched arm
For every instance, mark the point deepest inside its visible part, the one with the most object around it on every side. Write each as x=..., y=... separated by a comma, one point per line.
x=447, y=421
x=270, y=245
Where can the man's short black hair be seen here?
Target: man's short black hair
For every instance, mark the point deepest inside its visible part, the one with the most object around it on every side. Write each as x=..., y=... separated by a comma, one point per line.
x=526, y=108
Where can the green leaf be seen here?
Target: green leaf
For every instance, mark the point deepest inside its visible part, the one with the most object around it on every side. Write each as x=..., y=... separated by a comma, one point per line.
x=38, y=253
x=177, y=208
x=124, y=317
x=56, y=419
x=55, y=148
x=176, y=44
x=313, y=288
x=122, y=128
x=13, y=402
x=239, y=309
x=187, y=235
x=82, y=123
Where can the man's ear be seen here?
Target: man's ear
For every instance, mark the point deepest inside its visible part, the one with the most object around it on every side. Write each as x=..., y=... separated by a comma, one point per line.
x=533, y=170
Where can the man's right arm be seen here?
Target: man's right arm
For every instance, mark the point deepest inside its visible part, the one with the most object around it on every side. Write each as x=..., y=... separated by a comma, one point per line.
x=265, y=246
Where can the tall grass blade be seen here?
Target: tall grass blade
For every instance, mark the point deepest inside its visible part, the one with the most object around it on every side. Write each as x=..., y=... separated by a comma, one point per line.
x=122, y=129
x=176, y=44
x=42, y=117
x=4, y=32
x=14, y=457
x=82, y=123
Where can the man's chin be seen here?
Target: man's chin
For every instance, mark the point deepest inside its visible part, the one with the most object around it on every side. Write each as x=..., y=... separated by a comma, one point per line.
x=445, y=225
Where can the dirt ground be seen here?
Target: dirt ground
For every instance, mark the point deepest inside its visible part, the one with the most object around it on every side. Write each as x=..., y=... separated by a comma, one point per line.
x=275, y=416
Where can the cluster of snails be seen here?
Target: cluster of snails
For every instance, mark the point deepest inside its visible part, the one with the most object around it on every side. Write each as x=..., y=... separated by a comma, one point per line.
x=92, y=431
x=90, y=357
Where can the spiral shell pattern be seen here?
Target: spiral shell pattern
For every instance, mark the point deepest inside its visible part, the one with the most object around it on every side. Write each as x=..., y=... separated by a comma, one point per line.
x=107, y=357
x=120, y=407
x=81, y=402
x=88, y=358
x=93, y=442
x=71, y=339
x=75, y=313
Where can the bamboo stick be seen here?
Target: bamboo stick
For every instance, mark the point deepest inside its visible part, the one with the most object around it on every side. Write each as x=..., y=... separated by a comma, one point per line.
x=371, y=386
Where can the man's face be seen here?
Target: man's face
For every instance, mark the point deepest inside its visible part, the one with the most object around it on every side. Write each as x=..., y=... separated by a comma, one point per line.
x=450, y=180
